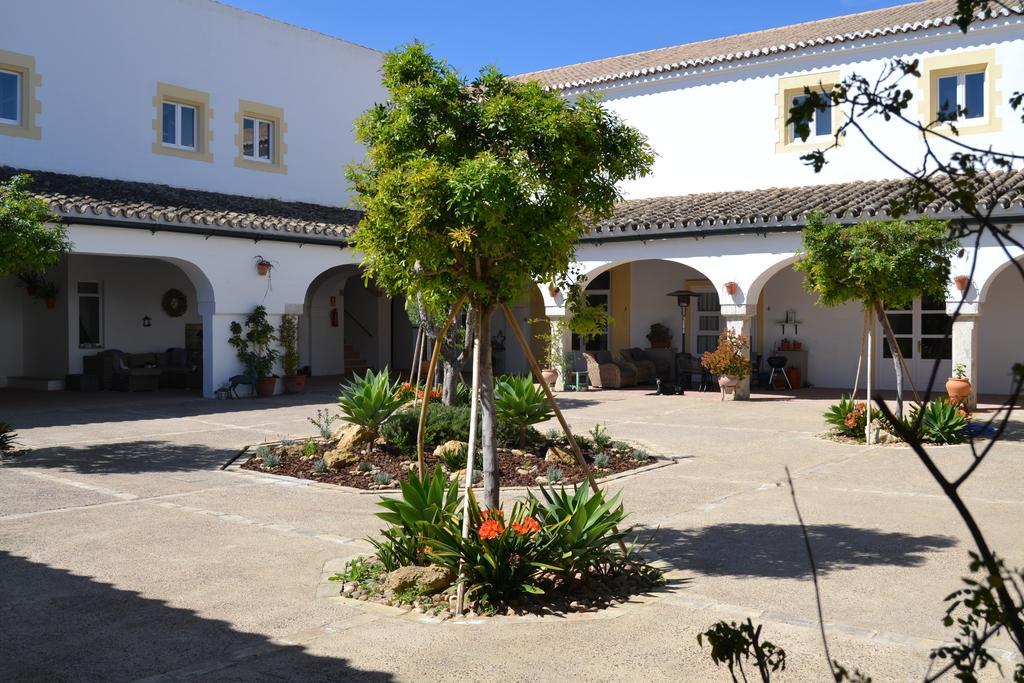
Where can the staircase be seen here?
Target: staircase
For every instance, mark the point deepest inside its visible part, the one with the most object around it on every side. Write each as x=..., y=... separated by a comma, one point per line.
x=354, y=363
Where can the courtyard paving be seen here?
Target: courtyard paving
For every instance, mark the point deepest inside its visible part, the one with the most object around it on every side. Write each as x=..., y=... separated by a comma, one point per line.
x=127, y=553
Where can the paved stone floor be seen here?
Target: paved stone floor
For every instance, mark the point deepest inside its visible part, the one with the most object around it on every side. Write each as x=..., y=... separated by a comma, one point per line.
x=127, y=553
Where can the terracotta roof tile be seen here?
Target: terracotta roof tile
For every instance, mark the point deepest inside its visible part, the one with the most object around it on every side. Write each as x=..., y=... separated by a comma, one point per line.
x=74, y=195
x=751, y=210
x=917, y=16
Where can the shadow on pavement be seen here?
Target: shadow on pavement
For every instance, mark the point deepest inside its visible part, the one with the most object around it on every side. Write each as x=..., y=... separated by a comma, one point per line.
x=60, y=626
x=777, y=550
x=129, y=457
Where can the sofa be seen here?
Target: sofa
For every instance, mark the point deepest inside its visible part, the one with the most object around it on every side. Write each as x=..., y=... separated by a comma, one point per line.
x=144, y=371
x=605, y=373
x=646, y=370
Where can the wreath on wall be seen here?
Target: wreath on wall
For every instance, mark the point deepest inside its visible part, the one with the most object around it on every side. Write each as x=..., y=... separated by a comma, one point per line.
x=174, y=303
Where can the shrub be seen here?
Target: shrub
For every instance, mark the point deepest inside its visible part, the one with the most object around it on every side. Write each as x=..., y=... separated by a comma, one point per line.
x=848, y=417
x=731, y=357
x=270, y=459
x=370, y=400
x=583, y=442
x=601, y=460
x=445, y=423
x=554, y=475
x=309, y=448
x=322, y=421
x=364, y=466
x=455, y=458
x=8, y=438
x=319, y=465
x=943, y=422
x=519, y=402
x=640, y=455
x=581, y=526
x=425, y=506
x=508, y=437
x=382, y=478
x=600, y=437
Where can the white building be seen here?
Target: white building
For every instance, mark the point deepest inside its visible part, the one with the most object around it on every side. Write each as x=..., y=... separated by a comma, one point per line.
x=723, y=209
x=181, y=140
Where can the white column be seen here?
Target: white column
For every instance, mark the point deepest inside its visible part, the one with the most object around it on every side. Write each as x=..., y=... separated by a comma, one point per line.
x=965, y=351
x=738, y=318
x=219, y=360
x=557, y=318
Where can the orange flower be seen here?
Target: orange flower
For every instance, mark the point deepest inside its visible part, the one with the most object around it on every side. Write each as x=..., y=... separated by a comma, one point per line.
x=528, y=526
x=491, y=528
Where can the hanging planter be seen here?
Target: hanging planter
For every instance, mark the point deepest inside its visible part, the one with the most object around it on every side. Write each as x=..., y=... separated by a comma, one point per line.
x=730, y=288
x=962, y=282
x=263, y=266
x=553, y=290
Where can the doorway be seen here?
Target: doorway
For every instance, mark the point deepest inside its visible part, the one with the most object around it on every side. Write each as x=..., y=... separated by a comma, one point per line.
x=922, y=332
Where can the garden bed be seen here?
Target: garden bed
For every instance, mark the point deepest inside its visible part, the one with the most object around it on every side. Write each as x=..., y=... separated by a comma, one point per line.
x=517, y=467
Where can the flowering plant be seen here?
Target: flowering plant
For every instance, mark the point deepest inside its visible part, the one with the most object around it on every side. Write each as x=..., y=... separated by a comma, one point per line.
x=848, y=417
x=408, y=391
x=731, y=357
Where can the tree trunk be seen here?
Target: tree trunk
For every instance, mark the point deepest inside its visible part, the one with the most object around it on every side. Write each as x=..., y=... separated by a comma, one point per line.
x=897, y=356
x=489, y=423
x=450, y=380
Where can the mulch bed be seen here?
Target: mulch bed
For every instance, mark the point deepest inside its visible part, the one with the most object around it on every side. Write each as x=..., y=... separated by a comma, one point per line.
x=518, y=468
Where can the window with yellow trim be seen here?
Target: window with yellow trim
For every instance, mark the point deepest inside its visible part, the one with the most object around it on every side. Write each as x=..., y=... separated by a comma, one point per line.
x=824, y=123
x=18, y=103
x=182, y=122
x=260, y=138
x=961, y=89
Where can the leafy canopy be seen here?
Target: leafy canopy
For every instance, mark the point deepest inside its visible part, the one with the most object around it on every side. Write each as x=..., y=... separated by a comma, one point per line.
x=479, y=187
x=891, y=262
x=30, y=240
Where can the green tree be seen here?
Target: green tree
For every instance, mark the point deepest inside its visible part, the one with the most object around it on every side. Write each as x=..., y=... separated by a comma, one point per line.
x=30, y=235
x=480, y=187
x=882, y=264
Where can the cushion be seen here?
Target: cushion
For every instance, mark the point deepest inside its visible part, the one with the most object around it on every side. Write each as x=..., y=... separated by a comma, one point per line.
x=637, y=353
x=603, y=357
x=176, y=358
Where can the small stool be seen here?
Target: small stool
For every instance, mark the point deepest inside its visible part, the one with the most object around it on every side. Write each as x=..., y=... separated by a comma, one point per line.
x=582, y=380
x=778, y=365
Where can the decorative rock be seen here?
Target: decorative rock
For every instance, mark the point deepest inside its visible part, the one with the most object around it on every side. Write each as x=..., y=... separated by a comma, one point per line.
x=559, y=456
x=541, y=480
x=350, y=437
x=515, y=452
x=526, y=470
x=339, y=458
x=429, y=579
x=449, y=447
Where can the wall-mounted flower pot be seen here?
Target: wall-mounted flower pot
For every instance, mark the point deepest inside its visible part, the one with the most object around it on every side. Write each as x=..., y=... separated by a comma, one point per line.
x=730, y=288
x=962, y=282
x=958, y=389
x=553, y=291
x=265, y=386
x=294, y=384
x=263, y=268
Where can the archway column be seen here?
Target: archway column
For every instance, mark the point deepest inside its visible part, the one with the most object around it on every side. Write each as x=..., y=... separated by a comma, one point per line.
x=965, y=344
x=739, y=319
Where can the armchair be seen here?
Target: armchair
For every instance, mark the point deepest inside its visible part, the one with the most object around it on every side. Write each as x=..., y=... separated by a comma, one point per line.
x=605, y=373
x=646, y=370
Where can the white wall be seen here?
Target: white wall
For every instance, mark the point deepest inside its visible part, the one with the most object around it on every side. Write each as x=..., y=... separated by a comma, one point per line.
x=132, y=288
x=325, y=347
x=714, y=129
x=45, y=331
x=651, y=282
x=100, y=62
x=1001, y=332
x=363, y=306
x=12, y=299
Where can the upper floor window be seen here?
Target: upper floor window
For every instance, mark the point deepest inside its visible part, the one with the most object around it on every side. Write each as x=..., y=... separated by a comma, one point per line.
x=258, y=139
x=10, y=97
x=961, y=95
x=19, y=105
x=820, y=124
x=183, y=123
x=179, y=125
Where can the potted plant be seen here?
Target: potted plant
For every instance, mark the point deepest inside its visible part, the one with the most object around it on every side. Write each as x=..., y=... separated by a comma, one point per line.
x=660, y=336
x=958, y=387
x=288, y=333
x=730, y=360
x=962, y=282
x=47, y=291
x=552, y=360
x=255, y=349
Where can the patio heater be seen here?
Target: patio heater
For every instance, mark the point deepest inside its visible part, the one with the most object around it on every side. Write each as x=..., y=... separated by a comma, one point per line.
x=683, y=299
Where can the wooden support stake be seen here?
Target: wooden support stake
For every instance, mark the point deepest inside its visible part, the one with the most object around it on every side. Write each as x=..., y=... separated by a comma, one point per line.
x=860, y=358
x=415, y=354
x=539, y=377
x=474, y=399
x=420, y=460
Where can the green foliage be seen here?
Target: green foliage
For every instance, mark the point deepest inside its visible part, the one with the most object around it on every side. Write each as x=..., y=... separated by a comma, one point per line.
x=288, y=333
x=382, y=478
x=508, y=437
x=309, y=448
x=455, y=458
x=659, y=332
x=446, y=423
x=414, y=518
x=960, y=371
x=8, y=438
x=368, y=401
x=262, y=451
x=319, y=465
x=640, y=455
x=519, y=402
x=599, y=435
x=364, y=466
x=269, y=458
x=583, y=442
x=322, y=420
x=731, y=357
x=733, y=644
x=848, y=417
x=31, y=237
x=494, y=172
x=943, y=422
x=255, y=348
x=892, y=262
x=582, y=525
x=554, y=475
x=360, y=570
x=601, y=460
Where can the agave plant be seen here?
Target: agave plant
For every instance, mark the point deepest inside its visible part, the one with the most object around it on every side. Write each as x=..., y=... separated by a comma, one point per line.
x=519, y=402
x=582, y=524
x=425, y=504
x=943, y=422
x=370, y=400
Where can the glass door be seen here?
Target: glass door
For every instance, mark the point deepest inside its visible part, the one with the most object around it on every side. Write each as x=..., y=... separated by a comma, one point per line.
x=921, y=330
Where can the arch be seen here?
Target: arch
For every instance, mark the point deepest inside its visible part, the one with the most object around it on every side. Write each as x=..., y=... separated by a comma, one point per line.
x=322, y=327
x=986, y=284
x=756, y=286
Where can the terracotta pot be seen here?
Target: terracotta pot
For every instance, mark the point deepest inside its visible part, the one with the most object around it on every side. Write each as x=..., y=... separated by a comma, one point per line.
x=550, y=376
x=784, y=346
x=553, y=291
x=262, y=268
x=661, y=343
x=51, y=302
x=726, y=381
x=730, y=288
x=265, y=386
x=294, y=384
x=797, y=346
x=962, y=282
x=958, y=389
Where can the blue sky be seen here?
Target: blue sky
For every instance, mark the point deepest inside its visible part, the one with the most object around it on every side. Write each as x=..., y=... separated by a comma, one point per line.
x=527, y=35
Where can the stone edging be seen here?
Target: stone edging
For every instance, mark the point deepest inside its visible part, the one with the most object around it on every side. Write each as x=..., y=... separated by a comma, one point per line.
x=235, y=466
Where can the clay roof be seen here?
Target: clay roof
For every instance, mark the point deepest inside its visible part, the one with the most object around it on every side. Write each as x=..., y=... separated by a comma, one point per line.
x=75, y=196
x=917, y=16
x=782, y=208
